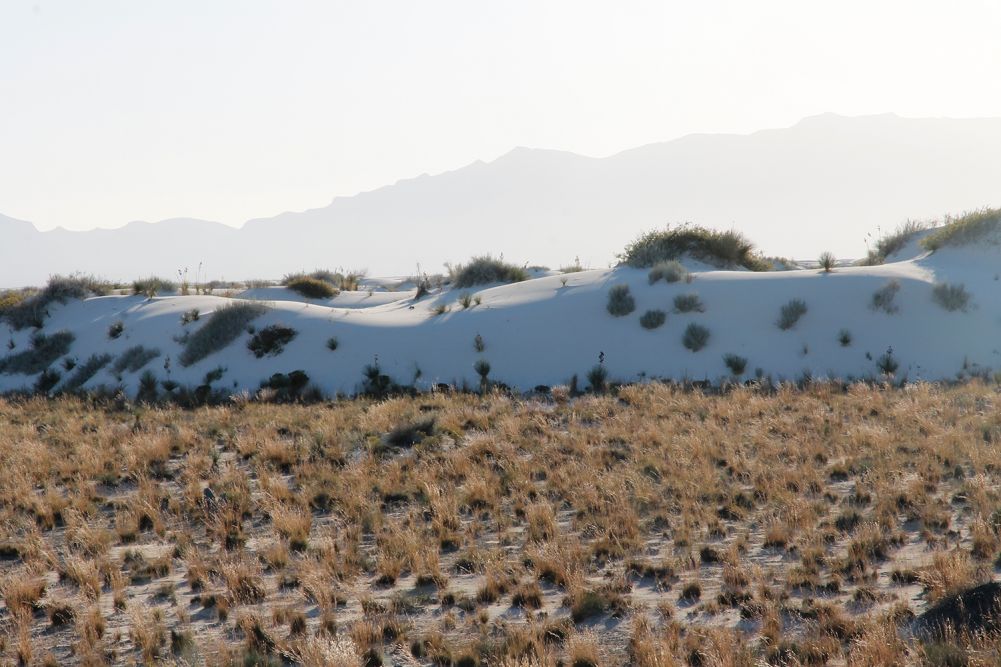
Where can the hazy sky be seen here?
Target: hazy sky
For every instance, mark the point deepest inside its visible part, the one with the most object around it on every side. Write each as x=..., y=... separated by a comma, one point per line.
x=229, y=110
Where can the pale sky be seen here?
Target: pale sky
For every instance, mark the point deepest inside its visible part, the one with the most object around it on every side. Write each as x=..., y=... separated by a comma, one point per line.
x=236, y=109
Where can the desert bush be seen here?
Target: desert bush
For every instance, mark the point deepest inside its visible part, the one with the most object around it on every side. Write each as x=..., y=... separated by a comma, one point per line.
x=966, y=229
x=312, y=288
x=152, y=286
x=597, y=377
x=440, y=309
x=722, y=249
x=189, y=316
x=827, y=261
x=688, y=303
x=26, y=308
x=376, y=384
x=225, y=326
x=845, y=337
x=288, y=387
x=883, y=298
x=271, y=340
x=478, y=344
x=735, y=363
x=86, y=371
x=620, y=301
x=652, y=319
x=332, y=343
x=696, y=337
x=466, y=300
x=887, y=363
x=951, y=297
x=484, y=270
x=790, y=313
x=48, y=379
x=116, y=329
x=44, y=350
x=893, y=242
x=670, y=271
x=134, y=358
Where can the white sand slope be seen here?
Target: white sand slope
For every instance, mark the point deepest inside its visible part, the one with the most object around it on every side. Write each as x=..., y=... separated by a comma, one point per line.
x=542, y=332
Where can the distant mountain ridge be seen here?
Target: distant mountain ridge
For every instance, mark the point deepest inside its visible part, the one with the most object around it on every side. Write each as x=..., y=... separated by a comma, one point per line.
x=822, y=184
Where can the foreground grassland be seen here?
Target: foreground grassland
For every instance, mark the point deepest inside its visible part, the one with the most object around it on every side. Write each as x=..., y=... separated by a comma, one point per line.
x=651, y=527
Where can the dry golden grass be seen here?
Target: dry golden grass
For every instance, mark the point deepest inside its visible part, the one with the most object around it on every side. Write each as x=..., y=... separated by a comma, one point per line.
x=651, y=526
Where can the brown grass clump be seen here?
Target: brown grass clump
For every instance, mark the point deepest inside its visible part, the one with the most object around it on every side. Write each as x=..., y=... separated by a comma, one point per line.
x=647, y=525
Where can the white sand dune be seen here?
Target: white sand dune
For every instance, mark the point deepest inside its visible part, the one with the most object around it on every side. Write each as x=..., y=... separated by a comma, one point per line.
x=542, y=332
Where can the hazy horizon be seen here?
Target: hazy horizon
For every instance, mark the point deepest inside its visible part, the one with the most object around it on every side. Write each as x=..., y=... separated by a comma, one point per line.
x=227, y=112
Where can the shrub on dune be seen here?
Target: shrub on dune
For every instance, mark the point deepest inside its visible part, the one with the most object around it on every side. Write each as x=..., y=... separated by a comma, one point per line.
x=134, y=358
x=44, y=350
x=271, y=340
x=224, y=327
x=312, y=288
x=670, y=271
x=696, y=337
x=723, y=249
x=966, y=229
x=893, y=242
x=484, y=270
x=951, y=297
x=152, y=286
x=86, y=371
x=653, y=319
x=29, y=308
x=620, y=301
x=883, y=298
x=790, y=313
x=688, y=303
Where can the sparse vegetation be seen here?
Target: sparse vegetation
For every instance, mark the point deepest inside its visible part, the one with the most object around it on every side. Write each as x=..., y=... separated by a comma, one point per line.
x=29, y=308
x=653, y=319
x=224, y=327
x=271, y=340
x=723, y=249
x=116, y=329
x=620, y=301
x=151, y=286
x=332, y=343
x=894, y=242
x=688, y=303
x=85, y=371
x=735, y=363
x=827, y=261
x=951, y=297
x=884, y=298
x=790, y=314
x=845, y=338
x=696, y=337
x=974, y=227
x=268, y=532
x=43, y=352
x=311, y=288
x=484, y=270
x=670, y=271
x=134, y=358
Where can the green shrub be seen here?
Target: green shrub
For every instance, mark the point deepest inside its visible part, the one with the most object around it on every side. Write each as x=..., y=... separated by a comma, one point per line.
x=271, y=340
x=671, y=271
x=478, y=343
x=597, y=377
x=735, y=363
x=86, y=371
x=152, y=286
x=652, y=319
x=723, y=249
x=377, y=384
x=312, y=288
x=620, y=301
x=696, y=337
x=48, y=379
x=44, y=350
x=845, y=337
x=189, y=316
x=966, y=229
x=484, y=270
x=466, y=300
x=883, y=298
x=887, y=363
x=116, y=329
x=28, y=308
x=332, y=343
x=133, y=359
x=827, y=261
x=224, y=327
x=951, y=297
x=688, y=303
x=790, y=313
